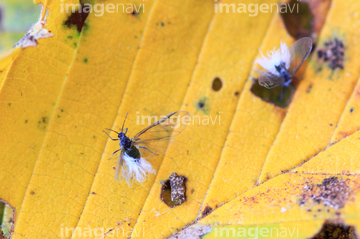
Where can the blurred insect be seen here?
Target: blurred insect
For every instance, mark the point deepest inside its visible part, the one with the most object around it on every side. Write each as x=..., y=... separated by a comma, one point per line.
x=282, y=64
x=153, y=140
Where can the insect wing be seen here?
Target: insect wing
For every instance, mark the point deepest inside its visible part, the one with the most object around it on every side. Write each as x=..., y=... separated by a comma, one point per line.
x=269, y=80
x=155, y=138
x=119, y=165
x=299, y=51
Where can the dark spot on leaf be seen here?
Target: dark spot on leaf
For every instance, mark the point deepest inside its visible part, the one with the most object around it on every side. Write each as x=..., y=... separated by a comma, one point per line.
x=203, y=105
x=9, y=104
x=32, y=192
x=332, y=53
x=207, y=210
x=237, y=93
x=309, y=89
x=93, y=193
x=85, y=60
x=78, y=18
x=42, y=123
x=134, y=13
x=173, y=190
x=273, y=95
x=333, y=230
x=62, y=110
x=351, y=109
x=26, y=121
x=162, y=24
x=217, y=84
x=70, y=37
x=298, y=23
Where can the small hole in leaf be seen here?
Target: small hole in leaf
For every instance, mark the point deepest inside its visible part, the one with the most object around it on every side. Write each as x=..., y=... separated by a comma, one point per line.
x=273, y=95
x=7, y=219
x=298, y=23
x=173, y=190
x=217, y=84
x=331, y=230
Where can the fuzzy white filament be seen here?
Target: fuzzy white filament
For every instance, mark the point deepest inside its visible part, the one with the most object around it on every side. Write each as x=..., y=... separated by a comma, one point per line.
x=274, y=58
x=133, y=170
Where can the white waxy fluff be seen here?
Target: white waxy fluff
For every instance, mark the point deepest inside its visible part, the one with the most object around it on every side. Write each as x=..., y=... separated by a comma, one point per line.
x=133, y=170
x=274, y=58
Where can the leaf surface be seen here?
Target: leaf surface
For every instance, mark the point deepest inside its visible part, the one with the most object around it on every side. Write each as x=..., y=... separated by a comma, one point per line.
x=247, y=163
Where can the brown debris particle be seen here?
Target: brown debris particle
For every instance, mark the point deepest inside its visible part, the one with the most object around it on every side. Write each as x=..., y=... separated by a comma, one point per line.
x=78, y=18
x=173, y=191
x=332, y=192
x=332, y=230
x=207, y=210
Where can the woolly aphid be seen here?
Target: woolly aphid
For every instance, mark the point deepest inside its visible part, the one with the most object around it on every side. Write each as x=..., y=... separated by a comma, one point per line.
x=282, y=64
x=151, y=140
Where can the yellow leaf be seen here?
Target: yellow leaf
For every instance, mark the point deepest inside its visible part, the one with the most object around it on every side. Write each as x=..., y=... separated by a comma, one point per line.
x=278, y=208
x=244, y=149
x=318, y=102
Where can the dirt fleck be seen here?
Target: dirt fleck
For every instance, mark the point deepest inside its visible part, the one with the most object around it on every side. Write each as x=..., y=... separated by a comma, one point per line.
x=207, y=210
x=173, y=190
x=78, y=18
x=332, y=192
x=334, y=230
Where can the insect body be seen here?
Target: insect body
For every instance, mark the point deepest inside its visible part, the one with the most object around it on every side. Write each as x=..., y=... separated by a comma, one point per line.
x=282, y=64
x=285, y=75
x=151, y=140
